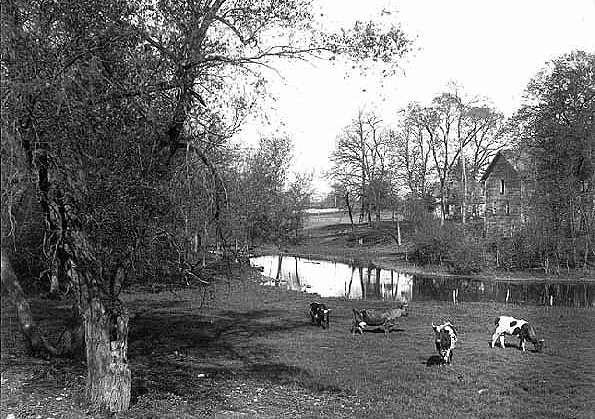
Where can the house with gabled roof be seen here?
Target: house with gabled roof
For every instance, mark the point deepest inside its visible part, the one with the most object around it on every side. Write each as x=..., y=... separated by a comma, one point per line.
x=505, y=193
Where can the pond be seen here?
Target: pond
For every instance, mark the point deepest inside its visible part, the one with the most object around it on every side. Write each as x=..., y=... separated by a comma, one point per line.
x=335, y=279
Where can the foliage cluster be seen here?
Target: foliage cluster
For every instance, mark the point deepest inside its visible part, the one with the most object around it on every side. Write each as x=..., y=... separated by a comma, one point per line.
x=453, y=245
x=557, y=130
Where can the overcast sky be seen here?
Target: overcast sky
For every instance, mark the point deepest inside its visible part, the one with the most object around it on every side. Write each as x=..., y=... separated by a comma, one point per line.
x=490, y=48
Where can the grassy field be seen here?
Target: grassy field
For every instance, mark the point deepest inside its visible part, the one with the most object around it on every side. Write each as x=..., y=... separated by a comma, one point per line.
x=251, y=353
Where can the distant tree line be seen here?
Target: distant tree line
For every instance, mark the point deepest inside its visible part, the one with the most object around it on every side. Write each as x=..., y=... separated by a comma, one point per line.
x=429, y=157
x=376, y=163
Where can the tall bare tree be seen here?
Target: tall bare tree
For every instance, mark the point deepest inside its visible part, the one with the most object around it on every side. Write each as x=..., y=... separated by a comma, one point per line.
x=363, y=161
x=456, y=129
x=412, y=151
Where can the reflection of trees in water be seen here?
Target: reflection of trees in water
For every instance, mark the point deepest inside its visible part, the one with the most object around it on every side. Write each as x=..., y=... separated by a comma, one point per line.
x=331, y=279
x=441, y=289
x=385, y=284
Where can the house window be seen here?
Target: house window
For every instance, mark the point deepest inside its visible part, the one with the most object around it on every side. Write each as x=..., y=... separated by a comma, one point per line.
x=501, y=186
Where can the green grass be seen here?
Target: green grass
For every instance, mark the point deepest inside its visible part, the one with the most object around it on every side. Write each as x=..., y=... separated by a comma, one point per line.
x=252, y=353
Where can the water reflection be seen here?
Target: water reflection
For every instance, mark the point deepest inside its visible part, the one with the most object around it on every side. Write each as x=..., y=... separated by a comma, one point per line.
x=334, y=279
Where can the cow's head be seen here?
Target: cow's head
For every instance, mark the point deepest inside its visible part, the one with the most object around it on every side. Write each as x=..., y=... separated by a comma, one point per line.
x=358, y=315
x=358, y=321
x=324, y=316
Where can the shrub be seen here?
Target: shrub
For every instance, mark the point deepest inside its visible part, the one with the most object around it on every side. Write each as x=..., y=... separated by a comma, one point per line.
x=451, y=245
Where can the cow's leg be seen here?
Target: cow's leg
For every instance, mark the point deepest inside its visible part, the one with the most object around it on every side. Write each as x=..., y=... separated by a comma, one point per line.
x=522, y=344
x=495, y=337
x=502, y=341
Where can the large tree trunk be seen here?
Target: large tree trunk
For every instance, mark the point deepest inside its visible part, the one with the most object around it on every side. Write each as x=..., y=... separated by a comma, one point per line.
x=35, y=340
x=105, y=322
x=108, y=373
x=104, y=318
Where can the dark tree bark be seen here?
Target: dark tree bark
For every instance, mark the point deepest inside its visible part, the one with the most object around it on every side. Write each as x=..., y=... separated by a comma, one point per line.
x=106, y=340
x=34, y=338
x=349, y=210
x=105, y=321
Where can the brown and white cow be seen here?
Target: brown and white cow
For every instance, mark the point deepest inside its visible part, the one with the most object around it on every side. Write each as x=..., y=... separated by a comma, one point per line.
x=445, y=339
x=506, y=325
x=371, y=318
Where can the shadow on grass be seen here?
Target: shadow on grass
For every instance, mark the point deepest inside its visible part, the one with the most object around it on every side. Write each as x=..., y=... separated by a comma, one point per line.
x=369, y=329
x=433, y=361
x=181, y=353
x=507, y=345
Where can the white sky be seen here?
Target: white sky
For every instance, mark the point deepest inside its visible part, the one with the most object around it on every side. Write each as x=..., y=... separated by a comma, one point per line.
x=490, y=48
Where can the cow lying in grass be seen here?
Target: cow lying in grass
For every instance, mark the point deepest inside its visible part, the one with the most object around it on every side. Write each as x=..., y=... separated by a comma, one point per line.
x=506, y=325
x=370, y=318
x=320, y=315
x=445, y=338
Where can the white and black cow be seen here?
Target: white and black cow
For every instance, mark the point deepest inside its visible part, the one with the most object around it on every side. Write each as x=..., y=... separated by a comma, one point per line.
x=506, y=325
x=445, y=339
x=370, y=318
x=320, y=314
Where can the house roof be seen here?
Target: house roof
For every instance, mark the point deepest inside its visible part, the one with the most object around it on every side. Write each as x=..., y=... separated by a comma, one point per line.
x=513, y=157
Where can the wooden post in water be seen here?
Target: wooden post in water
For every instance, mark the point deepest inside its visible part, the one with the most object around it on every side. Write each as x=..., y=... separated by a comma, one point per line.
x=348, y=291
x=361, y=281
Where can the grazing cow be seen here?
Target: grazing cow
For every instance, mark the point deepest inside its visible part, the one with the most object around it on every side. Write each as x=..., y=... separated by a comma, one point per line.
x=506, y=325
x=376, y=318
x=445, y=337
x=320, y=315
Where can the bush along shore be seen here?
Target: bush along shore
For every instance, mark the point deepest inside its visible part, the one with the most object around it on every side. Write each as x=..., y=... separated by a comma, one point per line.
x=442, y=254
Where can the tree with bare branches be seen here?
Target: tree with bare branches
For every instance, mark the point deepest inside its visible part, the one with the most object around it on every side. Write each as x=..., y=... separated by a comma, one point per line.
x=107, y=100
x=363, y=162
